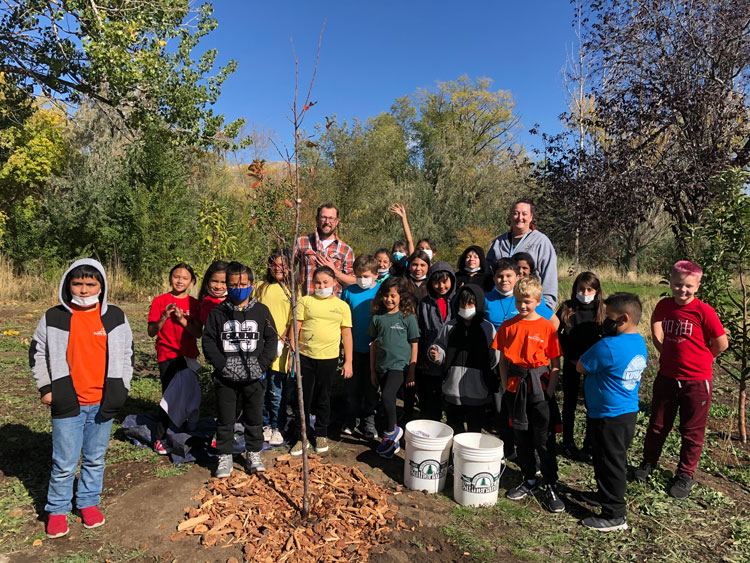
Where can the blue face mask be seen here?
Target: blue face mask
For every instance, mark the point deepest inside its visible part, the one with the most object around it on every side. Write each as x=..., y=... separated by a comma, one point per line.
x=398, y=256
x=239, y=294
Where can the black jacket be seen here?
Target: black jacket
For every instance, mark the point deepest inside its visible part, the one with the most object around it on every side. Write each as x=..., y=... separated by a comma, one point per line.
x=429, y=317
x=581, y=333
x=482, y=278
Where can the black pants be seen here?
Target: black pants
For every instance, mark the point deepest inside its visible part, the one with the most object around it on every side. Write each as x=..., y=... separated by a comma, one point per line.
x=167, y=370
x=361, y=395
x=610, y=440
x=410, y=399
x=390, y=383
x=249, y=396
x=506, y=430
x=429, y=388
x=317, y=376
x=459, y=415
x=536, y=438
x=571, y=383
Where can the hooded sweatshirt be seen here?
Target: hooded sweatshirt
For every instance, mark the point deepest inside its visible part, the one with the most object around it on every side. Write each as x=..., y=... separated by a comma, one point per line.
x=430, y=316
x=482, y=278
x=541, y=250
x=467, y=358
x=48, y=354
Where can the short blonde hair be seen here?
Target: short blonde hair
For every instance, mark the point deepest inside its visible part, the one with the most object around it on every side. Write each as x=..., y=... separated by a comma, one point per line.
x=528, y=287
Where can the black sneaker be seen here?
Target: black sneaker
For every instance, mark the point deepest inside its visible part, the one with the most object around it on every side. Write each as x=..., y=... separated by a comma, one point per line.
x=605, y=525
x=681, y=486
x=571, y=451
x=584, y=454
x=643, y=472
x=522, y=491
x=554, y=502
x=589, y=497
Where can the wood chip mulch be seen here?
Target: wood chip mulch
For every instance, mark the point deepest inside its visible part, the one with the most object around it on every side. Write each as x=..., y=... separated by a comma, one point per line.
x=349, y=514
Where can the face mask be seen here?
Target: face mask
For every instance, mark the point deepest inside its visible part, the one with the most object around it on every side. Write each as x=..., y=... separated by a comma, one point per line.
x=609, y=326
x=585, y=299
x=424, y=277
x=504, y=293
x=85, y=301
x=428, y=252
x=472, y=270
x=398, y=256
x=364, y=283
x=324, y=291
x=239, y=294
x=467, y=313
x=383, y=272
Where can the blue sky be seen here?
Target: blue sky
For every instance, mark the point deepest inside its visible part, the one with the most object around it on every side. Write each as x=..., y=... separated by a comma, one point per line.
x=374, y=52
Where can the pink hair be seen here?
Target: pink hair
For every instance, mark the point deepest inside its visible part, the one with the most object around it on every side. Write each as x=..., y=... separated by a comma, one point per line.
x=687, y=268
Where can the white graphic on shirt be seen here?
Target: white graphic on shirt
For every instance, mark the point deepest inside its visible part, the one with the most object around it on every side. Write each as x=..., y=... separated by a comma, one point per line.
x=632, y=374
x=239, y=336
x=677, y=328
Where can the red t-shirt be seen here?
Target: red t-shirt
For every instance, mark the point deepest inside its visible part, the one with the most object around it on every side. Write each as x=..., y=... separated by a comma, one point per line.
x=688, y=331
x=173, y=340
x=208, y=303
x=87, y=354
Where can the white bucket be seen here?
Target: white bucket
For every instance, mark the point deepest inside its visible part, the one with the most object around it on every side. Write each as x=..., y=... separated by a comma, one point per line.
x=478, y=463
x=428, y=447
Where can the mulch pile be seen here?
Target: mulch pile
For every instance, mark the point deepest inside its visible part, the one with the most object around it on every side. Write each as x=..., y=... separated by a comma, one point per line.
x=349, y=514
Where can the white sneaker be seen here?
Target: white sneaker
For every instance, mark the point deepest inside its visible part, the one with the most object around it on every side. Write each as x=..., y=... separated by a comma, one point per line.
x=267, y=432
x=254, y=462
x=224, y=469
x=276, y=438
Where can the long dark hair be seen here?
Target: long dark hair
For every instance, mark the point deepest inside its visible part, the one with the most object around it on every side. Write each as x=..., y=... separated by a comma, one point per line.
x=526, y=257
x=213, y=268
x=286, y=257
x=407, y=302
x=569, y=307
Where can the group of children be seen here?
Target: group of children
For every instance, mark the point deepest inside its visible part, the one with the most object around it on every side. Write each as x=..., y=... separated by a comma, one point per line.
x=453, y=341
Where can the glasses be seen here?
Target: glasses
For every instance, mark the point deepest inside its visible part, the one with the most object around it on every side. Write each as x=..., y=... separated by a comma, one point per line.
x=329, y=219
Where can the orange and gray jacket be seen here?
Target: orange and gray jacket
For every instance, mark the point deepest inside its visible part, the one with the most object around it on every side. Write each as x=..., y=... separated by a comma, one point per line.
x=48, y=354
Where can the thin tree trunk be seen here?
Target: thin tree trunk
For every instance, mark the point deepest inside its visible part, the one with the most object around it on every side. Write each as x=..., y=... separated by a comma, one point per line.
x=741, y=411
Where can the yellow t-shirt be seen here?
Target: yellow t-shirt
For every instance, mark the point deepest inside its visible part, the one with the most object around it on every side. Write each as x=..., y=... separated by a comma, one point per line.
x=322, y=321
x=272, y=296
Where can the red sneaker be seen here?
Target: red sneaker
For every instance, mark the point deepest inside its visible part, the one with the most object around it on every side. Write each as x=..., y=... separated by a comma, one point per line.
x=92, y=517
x=57, y=525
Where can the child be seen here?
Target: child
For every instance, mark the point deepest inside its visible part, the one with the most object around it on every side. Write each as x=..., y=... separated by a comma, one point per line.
x=526, y=264
x=81, y=356
x=419, y=265
x=435, y=310
x=361, y=395
x=393, y=354
x=240, y=342
x=580, y=320
x=464, y=349
x=501, y=303
x=323, y=321
x=407, y=246
x=174, y=319
x=472, y=268
x=384, y=263
x=399, y=253
x=274, y=293
x=613, y=368
x=689, y=335
x=529, y=345
x=427, y=246
x=213, y=289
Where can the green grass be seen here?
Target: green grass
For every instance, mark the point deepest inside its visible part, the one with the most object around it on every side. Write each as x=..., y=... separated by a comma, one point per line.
x=171, y=470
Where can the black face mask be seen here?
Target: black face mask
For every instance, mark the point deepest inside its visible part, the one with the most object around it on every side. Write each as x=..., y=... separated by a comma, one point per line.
x=609, y=326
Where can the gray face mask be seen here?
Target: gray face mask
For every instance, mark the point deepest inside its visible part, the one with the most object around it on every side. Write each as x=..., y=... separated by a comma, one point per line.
x=585, y=299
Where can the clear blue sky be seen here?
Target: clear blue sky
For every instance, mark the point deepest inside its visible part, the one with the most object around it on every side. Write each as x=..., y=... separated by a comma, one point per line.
x=374, y=52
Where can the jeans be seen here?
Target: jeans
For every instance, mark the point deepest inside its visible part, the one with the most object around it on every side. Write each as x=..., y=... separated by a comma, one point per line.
x=84, y=436
x=274, y=408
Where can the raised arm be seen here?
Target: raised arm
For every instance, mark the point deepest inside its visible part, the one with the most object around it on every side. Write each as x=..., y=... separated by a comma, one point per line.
x=400, y=210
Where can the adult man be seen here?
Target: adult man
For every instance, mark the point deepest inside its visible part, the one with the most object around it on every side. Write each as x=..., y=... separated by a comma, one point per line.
x=324, y=248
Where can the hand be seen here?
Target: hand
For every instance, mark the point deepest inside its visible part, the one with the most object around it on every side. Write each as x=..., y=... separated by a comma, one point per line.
x=410, y=379
x=323, y=260
x=168, y=311
x=347, y=371
x=550, y=392
x=398, y=209
x=47, y=399
x=373, y=378
x=433, y=353
x=179, y=314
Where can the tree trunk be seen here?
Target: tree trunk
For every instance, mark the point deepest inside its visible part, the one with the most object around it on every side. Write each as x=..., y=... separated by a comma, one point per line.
x=741, y=410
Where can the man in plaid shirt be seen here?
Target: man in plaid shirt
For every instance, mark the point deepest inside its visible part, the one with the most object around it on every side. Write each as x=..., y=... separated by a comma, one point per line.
x=324, y=248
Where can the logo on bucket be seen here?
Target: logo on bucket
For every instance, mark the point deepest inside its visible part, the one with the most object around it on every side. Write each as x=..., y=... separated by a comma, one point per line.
x=428, y=469
x=481, y=483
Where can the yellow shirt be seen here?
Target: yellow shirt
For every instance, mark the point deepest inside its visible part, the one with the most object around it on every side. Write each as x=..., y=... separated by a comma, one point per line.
x=272, y=296
x=322, y=321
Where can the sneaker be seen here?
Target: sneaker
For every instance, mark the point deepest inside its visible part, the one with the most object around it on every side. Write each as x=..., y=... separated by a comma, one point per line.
x=321, y=445
x=296, y=449
x=267, y=432
x=92, y=517
x=224, y=469
x=605, y=525
x=277, y=439
x=159, y=448
x=370, y=432
x=571, y=451
x=57, y=525
x=513, y=456
x=681, y=486
x=554, y=502
x=254, y=462
x=522, y=491
x=584, y=454
x=347, y=430
x=390, y=444
x=643, y=472
x=590, y=497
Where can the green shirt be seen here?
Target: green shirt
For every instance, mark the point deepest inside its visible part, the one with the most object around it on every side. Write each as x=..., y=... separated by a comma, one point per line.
x=395, y=335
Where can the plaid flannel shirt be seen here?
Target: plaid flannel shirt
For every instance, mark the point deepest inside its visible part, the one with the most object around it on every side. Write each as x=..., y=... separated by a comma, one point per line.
x=338, y=251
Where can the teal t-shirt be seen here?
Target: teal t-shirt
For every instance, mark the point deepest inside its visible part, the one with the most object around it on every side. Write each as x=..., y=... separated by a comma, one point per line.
x=359, y=301
x=395, y=334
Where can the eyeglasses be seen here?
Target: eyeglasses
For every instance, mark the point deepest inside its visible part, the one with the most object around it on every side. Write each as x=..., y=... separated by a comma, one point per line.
x=328, y=219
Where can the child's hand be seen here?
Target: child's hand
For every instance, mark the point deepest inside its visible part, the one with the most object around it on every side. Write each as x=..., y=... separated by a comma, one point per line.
x=374, y=378
x=398, y=209
x=347, y=371
x=47, y=399
x=168, y=311
x=410, y=379
x=433, y=353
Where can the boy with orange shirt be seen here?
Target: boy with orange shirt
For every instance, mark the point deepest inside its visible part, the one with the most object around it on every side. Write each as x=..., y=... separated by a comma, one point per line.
x=529, y=345
x=82, y=359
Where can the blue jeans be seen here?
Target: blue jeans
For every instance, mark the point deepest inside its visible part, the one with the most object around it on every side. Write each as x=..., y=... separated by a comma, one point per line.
x=274, y=408
x=86, y=436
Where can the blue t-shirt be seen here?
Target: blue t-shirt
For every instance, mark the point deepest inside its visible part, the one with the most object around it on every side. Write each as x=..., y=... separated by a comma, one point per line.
x=359, y=301
x=614, y=366
x=498, y=309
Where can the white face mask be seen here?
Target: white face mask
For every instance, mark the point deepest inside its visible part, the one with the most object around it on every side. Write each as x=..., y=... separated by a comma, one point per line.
x=84, y=301
x=428, y=252
x=383, y=272
x=364, y=283
x=585, y=299
x=472, y=270
x=467, y=313
x=324, y=291
x=504, y=293
x=424, y=277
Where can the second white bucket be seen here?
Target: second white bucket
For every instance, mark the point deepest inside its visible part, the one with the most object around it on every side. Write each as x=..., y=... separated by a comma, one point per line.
x=478, y=463
x=428, y=447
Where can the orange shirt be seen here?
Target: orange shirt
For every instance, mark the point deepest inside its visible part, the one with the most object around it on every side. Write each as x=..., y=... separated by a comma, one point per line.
x=528, y=344
x=87, y=355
